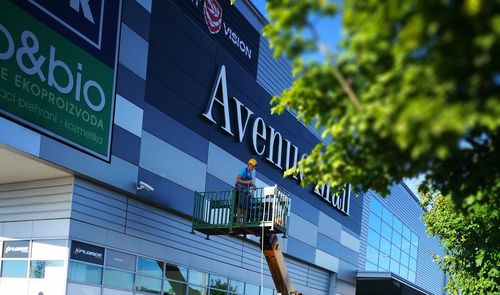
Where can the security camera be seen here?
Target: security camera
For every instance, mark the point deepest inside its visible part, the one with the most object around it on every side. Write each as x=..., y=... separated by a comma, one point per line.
x=143, y=185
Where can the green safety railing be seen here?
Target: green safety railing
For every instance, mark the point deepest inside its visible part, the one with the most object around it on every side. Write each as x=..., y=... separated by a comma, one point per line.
x=241, y=211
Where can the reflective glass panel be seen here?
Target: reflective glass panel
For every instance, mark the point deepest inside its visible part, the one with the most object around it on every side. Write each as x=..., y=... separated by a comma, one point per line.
x=173, y=288
x=413, y=251
x=395, y=252
x=85, y=273
x=150, y=267
x=403, y=271
x=397, y=224
x=148, y=284
x=414, y=239
x=195, y=290
x=376, y=206
x=383, y=261
x=386, y=231
x=404, y=259
x=120, y=260
x=370, y=266
x=406, y=232
x=198, y=277
x=14, y=268
x=174, y=272
x=50, y=269
x=374, y=222
x=411, y=276
x=373, y=238
x=413, y=265
x=372, y=255
x=268, y=291
x=118, y=279
x=405, y=245
x=387, y=216
x=385, y=246
x=236, y=286
x=394, y=266
x=217, y=292
x=251, y=289
x=396, y=238
x=218, y=282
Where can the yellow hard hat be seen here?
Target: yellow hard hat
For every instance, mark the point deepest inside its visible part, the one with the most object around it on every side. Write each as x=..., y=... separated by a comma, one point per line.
x=252, y=162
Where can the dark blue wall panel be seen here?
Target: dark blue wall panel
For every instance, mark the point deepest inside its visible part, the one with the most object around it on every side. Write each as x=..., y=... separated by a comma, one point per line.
x=136, y=17
x=130, y=86
x=166, y=192
x=175, y=133
x=126, y=145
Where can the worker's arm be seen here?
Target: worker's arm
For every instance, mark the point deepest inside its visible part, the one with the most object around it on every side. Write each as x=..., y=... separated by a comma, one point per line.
x=249, y=182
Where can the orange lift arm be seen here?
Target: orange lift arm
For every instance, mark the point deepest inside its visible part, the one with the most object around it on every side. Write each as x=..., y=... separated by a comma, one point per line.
x=276, y=262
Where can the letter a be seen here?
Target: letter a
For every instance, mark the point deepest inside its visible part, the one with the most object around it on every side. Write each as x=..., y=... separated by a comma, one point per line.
x=220, y=84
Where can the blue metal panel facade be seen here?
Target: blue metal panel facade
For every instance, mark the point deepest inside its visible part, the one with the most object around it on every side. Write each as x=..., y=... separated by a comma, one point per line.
x=168, y=65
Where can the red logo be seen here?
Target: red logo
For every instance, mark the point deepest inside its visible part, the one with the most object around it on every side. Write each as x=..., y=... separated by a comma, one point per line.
x=213, y=15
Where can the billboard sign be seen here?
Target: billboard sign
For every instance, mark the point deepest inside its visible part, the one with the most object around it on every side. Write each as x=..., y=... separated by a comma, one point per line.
x=57, y=75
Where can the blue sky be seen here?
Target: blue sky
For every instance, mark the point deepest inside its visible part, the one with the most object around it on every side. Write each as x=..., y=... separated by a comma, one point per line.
x=330, y=30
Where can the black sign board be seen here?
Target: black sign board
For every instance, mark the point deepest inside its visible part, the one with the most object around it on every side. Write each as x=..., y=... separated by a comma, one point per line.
x=87, y=252
x=16, y=249
x=224, y=23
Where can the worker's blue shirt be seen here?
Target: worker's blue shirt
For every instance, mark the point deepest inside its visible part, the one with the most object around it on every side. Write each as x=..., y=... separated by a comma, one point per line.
x=245, y=175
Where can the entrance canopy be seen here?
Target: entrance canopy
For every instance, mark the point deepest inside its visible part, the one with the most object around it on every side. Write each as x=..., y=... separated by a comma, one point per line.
x=385, y=283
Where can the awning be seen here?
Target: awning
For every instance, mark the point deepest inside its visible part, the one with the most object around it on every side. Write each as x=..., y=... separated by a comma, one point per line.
x=385, y=283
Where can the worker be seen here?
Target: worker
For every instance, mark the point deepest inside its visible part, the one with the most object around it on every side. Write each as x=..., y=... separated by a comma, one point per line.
x=244, y=181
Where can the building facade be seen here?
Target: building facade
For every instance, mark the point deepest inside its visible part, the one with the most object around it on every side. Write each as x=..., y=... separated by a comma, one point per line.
x=113, y=113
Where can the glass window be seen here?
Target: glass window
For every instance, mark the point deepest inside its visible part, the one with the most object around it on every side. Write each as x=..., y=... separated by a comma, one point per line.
x=173, y=288
x=268, y=291
x=218, y=282
x=148, y=284
x=217, y=292
x=387, y=216
x=414, y=239
x=386, y=231
x=150, y=267
x=404, y=259
x=406, y=232
x=120, y=260
x=49, y=250
x=198, y=277
x=395, y=253
x=383, y=261
x=373, y=238
x=370, y=266
x=411, y=276
x=193, y=290
x=85, y=273
x=413, y=251
x=251, y=289
x=118, y=279
x=403, y=271
x=396, y=238
x=394, y=266
x=397, y=224
x=376, y=207
x=372, y=255
x=236, y=286
x=46, y=269
x=374, y=222
x=405, y=245
x=174, y=272
x=385, y=246
x=413, y=265
x=14, y=268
